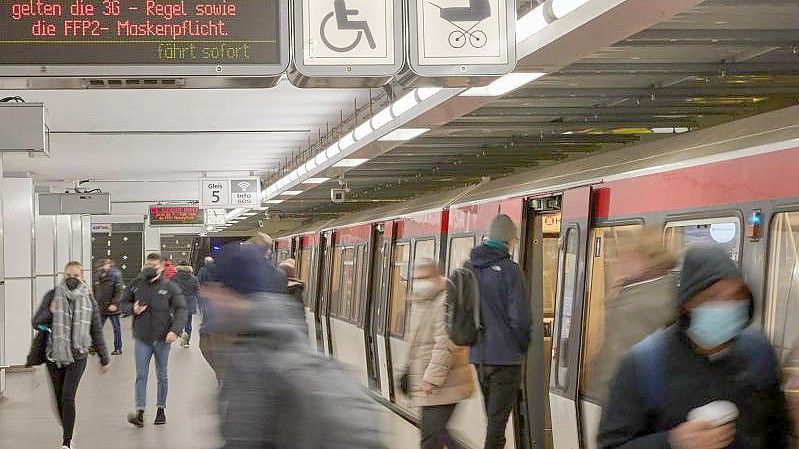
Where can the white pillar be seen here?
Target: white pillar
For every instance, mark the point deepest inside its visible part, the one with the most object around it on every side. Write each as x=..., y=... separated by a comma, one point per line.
x=18, y=230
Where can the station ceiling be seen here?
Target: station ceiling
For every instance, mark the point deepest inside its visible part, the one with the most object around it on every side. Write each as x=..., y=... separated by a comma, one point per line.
x=722, y=60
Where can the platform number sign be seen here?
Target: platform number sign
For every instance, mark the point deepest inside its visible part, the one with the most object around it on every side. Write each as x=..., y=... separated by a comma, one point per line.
x=230, y=193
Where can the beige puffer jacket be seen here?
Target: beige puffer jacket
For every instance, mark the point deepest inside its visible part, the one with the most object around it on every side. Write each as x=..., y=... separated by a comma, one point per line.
x=433, y=357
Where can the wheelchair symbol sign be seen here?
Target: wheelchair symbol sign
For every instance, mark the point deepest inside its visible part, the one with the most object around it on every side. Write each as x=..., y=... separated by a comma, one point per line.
x=345, y=24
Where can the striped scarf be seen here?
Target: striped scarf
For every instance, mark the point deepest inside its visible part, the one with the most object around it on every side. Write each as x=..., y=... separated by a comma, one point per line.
x=72, y=321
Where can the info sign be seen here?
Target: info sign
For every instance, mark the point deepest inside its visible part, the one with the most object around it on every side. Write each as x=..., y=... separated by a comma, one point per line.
x=353, y=38
x=230, y=193
x=176, y=215
x=143, y=37
x=460, y=38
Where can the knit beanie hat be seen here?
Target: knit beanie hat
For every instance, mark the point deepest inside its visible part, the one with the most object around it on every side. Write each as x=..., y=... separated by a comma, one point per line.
x=502, y=229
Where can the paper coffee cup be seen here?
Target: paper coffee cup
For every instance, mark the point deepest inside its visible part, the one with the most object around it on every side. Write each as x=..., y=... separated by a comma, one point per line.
x=716, y=412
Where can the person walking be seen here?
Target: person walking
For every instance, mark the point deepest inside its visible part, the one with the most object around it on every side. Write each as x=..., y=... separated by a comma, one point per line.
x=108, y=290
x=439, y=375
x=169, y=270
x=190, y=286
x=296, y=286
x=502, y=344
x=71, y=318
x=159, y=315
x=706, y=382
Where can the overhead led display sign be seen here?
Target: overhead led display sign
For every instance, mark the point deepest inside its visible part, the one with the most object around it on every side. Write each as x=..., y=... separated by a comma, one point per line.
x=176, y=215
x=143, y=37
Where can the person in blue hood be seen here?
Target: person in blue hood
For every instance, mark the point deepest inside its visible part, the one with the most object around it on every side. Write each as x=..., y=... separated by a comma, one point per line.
x=706, y=382
x=505, y=315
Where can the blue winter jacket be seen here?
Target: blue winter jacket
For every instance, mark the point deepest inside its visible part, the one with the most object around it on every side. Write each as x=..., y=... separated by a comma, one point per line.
x=504, y=308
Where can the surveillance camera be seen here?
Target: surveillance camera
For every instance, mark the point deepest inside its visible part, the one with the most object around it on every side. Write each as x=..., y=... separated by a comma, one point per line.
x=260, y=223
x=338, y=196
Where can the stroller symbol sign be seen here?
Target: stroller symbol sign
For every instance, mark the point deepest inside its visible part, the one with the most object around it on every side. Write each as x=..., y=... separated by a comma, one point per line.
x=475, y=13
x=343, y=22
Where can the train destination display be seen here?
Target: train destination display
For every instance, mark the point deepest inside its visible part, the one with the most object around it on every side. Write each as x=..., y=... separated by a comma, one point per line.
x=140, y=32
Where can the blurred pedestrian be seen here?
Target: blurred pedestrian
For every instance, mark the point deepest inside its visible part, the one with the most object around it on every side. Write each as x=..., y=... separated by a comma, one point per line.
x=277, y=392
x=643, y=304
x=296, y=286
x=190, y=286
x=108, y=290
x=206, y=276
x=72, y=320
x=706, y=382
x=159, y=315
x=505, y=317
x=439, y=374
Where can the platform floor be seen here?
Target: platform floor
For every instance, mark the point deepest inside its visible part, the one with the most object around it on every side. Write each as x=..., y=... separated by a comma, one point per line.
x=28, y=419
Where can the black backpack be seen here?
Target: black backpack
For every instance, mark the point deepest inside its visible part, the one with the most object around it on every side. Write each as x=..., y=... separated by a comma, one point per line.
x=463, y=307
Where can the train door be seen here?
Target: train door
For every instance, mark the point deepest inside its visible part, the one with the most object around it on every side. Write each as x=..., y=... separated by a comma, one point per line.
x=542, y=234
x=374, y=307
x=574, y=233
x=321, y=303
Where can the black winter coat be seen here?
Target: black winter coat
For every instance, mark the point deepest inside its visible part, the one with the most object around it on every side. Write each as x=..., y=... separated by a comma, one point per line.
x=166, y=309
x=190, y=287
x=108, y=290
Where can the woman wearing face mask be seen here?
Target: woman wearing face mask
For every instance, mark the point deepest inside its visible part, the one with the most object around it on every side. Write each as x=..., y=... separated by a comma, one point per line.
x=71, y=316
x=438, y=372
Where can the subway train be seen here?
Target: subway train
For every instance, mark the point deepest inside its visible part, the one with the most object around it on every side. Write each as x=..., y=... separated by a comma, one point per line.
x=734, y=185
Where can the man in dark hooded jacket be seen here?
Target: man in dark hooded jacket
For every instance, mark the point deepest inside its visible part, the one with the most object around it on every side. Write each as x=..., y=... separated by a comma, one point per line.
x=505, y=316
x=707, y=357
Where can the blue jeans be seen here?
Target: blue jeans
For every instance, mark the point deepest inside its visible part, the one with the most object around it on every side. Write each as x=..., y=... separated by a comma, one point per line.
x=144, y=352
x=117, y=330
x=188, y=325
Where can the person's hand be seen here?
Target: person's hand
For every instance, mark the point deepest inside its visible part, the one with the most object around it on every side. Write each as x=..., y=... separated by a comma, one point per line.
x=105, y=368
x=138, y=308
x=701, y=435
x=171, y=337
x=428, y=388
x=113, y=308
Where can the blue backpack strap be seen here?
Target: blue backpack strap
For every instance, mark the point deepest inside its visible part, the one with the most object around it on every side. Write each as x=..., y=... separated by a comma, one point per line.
x=761, y=363
x=648, y=356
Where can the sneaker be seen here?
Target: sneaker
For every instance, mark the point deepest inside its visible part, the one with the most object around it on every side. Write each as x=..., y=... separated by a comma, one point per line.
x=136, y=418
x=160, y=417
x=117, y=352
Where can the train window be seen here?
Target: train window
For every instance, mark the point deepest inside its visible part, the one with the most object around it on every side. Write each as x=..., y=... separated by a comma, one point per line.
x=335, y=284
x=424, y=249
x=305, y=273
x=282, y=255
x=399, y=288
x=783, y=283
x=347, y=283
x=724, y=232
x=459, y=249
x=360, y=284
x=607, y=272
x=567, y=290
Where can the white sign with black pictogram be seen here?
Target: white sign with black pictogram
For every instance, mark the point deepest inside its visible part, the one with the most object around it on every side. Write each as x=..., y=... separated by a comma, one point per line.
x=215, y=217
x=214, y=193
x=462, y=37
x=348, y=38
x=245, y=192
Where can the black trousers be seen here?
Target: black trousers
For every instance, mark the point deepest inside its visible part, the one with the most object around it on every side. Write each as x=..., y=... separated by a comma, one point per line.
x=500, y=386
x=434, y=427
x=65, y=386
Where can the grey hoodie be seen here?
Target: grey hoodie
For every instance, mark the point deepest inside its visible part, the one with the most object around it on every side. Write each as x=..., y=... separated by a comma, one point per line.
x=692, y=379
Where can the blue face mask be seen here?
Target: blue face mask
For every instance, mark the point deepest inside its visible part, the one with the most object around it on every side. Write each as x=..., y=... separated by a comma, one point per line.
x=717, y=322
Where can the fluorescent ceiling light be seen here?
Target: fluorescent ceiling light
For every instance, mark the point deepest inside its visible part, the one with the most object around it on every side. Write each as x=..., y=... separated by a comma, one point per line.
x=332, y=150
x=404, y=104
x=235, y=213
x=532, y=22
x=426, y=92
x=562, y=7
x=316, y=180
x=292, y=192
x=347, y=141
x=503, y=85
x=310, y=165
x=249, y=214
x=320, y=158
x=403, y=134
x=363, y=130
x=350, y=162
x=293, y=176
x=274, y=201
x=672, y=130
x=301, y=171
x=382, y=118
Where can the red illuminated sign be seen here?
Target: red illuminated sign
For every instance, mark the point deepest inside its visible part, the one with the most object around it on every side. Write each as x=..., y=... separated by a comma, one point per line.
x=176, y=215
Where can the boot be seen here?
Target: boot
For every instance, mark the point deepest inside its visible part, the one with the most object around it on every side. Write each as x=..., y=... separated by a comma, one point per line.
x=136, y=418
x=160, y=417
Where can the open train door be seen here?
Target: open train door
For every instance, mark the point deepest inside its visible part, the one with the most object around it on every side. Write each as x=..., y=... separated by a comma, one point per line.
x=564, y=371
